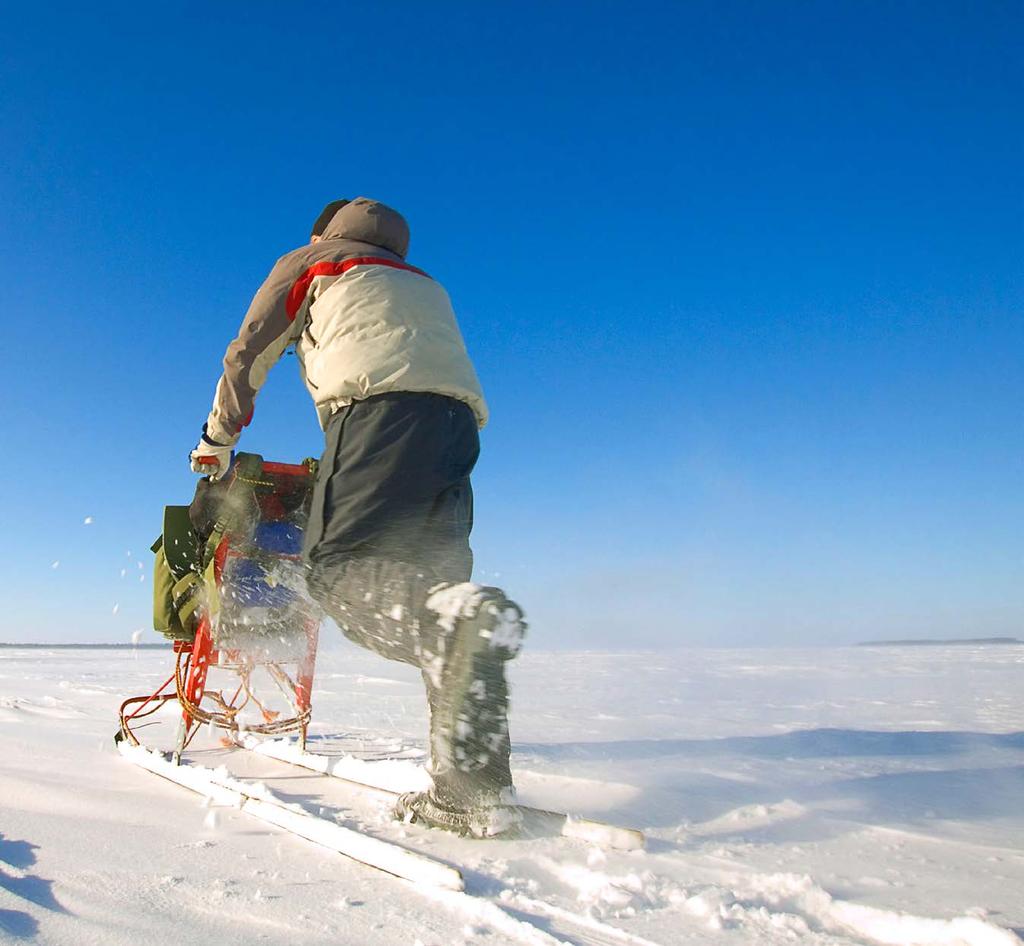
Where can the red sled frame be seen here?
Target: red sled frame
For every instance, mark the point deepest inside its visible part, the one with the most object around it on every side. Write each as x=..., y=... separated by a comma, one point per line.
x=193, y=660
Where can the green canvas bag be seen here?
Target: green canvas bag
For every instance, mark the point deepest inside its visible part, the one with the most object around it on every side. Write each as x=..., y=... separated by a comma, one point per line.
x=184, y=571
x=177, y=584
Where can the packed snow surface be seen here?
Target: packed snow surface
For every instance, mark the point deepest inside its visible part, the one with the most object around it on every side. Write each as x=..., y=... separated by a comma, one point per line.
x=842, y=796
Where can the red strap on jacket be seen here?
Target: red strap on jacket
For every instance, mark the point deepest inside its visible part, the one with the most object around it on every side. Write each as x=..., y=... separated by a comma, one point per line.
x=297, y=294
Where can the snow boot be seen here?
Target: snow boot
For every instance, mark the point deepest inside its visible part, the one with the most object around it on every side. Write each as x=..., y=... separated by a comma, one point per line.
x=483, y=821
x=468, y=697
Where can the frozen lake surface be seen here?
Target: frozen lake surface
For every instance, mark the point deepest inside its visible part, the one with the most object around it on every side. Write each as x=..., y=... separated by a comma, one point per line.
x=830, y=796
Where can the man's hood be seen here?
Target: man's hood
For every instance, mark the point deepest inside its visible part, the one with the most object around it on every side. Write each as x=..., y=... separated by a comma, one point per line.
x=370, y=221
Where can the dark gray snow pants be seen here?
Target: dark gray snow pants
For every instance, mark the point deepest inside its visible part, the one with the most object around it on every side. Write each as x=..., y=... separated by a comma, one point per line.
x=391, y=515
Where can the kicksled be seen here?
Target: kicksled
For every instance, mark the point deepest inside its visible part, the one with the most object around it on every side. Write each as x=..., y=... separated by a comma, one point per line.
x=229, y=592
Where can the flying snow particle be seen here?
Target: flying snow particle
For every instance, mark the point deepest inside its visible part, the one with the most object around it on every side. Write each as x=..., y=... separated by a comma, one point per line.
x=116, y=608
x=211, y=819
x=142, y=577
x=124, y=571
x=141, y=566
x=87, y=521
x=137, y=636
x=55, y=564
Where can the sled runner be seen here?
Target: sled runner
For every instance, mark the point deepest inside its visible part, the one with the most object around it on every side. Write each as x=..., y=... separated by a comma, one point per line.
x=380, y=778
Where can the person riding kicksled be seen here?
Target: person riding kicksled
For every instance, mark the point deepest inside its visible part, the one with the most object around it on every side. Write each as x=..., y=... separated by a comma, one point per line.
x=387, y=545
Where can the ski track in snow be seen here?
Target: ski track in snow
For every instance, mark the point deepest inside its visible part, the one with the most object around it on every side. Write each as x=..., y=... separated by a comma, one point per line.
x=849, y=797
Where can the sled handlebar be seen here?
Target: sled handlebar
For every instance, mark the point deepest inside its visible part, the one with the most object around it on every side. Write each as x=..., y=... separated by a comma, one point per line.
x=290, y=469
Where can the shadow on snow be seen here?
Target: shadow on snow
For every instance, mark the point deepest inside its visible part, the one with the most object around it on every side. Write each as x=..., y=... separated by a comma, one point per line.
x=21, y=855
x=801, y=744
x=846, y=773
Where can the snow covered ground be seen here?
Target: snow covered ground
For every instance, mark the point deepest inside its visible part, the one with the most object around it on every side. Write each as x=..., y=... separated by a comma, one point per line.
x=841, y=796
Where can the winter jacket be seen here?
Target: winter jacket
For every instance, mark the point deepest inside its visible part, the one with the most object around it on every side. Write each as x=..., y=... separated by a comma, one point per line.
x=363, y=322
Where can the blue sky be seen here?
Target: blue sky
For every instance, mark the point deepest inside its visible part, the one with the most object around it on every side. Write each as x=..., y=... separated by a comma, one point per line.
x=742, y=282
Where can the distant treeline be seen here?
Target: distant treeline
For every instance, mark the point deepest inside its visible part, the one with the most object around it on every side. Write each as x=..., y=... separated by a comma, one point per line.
x=17, y=646
x=940, y=643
